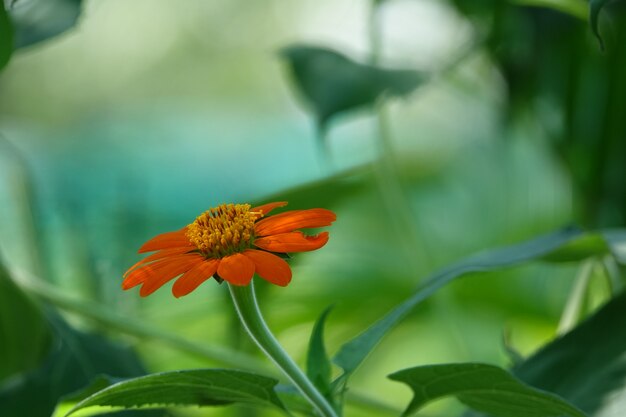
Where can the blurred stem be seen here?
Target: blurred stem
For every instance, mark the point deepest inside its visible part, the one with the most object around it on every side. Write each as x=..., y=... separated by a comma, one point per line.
x=613, y=275
x=394, y=196
x=247, y=308
x=576, y=300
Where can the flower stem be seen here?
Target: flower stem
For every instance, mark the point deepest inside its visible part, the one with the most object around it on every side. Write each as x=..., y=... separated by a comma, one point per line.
x=252, y=320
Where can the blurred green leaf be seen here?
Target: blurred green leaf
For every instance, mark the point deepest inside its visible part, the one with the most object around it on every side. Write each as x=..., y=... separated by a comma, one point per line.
x=617, y=241
x=35, y=21
x=201, y=387
x=76, y=359
x=6, y=38
x=352, y=353
x=587, y=366
x=576, y=8
x=24, y=334
x=482, y=387
x=332, y=83
x=318, y=364
x=586, y=246
x=595, y=6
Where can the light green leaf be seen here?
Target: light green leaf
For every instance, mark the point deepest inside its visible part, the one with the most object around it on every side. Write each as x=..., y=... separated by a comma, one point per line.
x=318, y=364
x=595, y=6
x=197, y=387
x=6, y=38
x=332, y=83
x=352, y=353
x=482, y=387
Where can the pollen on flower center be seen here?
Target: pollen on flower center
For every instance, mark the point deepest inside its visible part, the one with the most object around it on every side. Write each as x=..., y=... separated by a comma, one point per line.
x=223, y=230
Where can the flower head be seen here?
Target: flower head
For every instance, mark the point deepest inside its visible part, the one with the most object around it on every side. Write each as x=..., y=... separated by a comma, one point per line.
x=231, y=242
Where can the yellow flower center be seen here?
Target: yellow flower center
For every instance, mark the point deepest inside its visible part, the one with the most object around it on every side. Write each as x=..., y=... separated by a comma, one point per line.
x=223, y=230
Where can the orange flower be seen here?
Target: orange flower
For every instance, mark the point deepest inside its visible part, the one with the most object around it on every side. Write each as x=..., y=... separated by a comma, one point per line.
x=231, y=242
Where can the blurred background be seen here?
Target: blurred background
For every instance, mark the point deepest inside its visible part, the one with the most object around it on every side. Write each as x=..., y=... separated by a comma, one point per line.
x=147, y=113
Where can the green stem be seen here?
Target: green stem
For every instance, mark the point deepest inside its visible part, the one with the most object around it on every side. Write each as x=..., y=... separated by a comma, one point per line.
x=573, y=308
x=247, y=308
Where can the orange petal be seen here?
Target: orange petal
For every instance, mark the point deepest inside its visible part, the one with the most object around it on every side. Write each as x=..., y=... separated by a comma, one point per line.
x=292, y=220
x=266, y=208
x=270, y=267
x=237, y=269
x=292, y=242
x=194, y=277
x=159, y=279
x=167, y=240
x=146, y=272
x=156, y=256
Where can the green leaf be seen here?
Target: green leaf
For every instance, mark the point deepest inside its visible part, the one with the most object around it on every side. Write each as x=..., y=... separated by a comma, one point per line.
x=576, y=8
x=352, y=353
x=586, y=246
x=332, y=83
x=38, y=20
x=6, y=38
x=595, y=6
x=587, y=366
x=482, y=387
x=199, y=387
x=24, y=333
x=72, y=361
x=318, y=364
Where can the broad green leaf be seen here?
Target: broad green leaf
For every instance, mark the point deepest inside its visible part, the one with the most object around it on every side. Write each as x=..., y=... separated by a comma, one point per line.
x=25, y=337
x=318, y=364
x=6, y=38
x=352, y=353
x=74, y=360
x=332, y=83
x=35, y=21
x=595, y=6
x=617, y=241
x=484, y=388
x=196, y=387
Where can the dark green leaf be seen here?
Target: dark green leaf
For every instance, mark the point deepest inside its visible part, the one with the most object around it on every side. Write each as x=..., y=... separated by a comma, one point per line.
x=595, y=6
x=616, y=239
x=482, y=387
x=6, y=38
x=587, y=366
x=73, y=361
x=199, y=387
x=24, y=334
x=318, y=364
x=356, y=350
x=37, y=20
x=331, y=83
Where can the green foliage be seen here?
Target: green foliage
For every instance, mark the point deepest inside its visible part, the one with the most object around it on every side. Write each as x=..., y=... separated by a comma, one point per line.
x=6, y=38
x=595, y=6
x=318, y=364
x=586, y=246
x=333, y=83
x=24, y=334
x=352, y=354
x=482, y=387
x=201, y=387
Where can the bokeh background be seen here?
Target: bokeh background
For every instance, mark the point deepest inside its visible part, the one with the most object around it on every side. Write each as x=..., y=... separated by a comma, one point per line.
x=148, y=112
